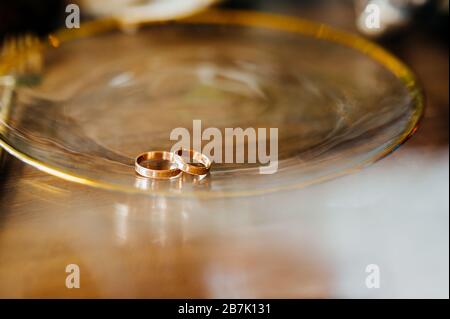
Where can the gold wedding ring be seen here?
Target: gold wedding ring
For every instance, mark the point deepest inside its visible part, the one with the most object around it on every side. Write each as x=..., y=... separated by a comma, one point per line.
x=202, y=162
x=157, y=173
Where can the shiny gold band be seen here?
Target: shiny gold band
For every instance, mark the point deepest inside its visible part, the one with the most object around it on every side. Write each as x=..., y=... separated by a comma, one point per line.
x=197, y=157
x=157, y=173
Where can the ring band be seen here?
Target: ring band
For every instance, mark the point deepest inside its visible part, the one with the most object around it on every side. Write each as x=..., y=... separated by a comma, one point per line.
x=190, y=168
x=157, y=173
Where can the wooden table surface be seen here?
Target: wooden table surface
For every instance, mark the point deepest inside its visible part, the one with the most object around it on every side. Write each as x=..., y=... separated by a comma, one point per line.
x=314, y=242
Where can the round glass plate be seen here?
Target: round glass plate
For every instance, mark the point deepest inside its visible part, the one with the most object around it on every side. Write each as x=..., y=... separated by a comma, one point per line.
x=339, y=102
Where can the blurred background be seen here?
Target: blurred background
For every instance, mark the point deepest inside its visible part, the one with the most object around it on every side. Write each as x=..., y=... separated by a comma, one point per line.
x=414, y=30
x=394, y=214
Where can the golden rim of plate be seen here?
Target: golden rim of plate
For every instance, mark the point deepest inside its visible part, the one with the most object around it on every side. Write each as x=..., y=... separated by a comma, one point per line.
x=250, y=19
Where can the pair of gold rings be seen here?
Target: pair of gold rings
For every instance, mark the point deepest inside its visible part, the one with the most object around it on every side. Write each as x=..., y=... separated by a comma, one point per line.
x=177, y=164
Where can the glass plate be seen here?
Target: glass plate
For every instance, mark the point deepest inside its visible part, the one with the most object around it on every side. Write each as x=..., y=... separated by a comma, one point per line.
x=339, y=101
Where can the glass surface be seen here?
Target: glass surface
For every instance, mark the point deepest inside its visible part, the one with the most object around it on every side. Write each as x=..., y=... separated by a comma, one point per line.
x=105, y=96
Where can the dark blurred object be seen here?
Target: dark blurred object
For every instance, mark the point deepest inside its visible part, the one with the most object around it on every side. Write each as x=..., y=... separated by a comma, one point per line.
x=30, y=16
x=397, y=16
x=241, y=4
x=269, y=5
